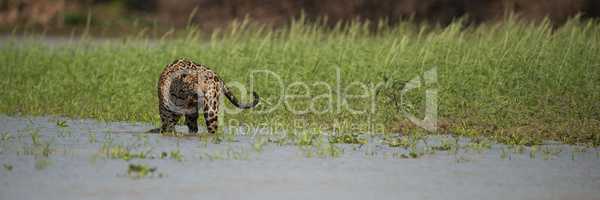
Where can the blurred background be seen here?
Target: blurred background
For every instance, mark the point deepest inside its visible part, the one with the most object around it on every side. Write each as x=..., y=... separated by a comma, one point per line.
x=121, y=16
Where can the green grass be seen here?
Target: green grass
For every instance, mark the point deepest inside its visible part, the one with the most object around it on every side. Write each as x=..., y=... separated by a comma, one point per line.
x=138, y=171
x=518, y=83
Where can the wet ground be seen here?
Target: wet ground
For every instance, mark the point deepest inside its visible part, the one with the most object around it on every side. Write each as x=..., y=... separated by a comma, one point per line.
x=56, y=158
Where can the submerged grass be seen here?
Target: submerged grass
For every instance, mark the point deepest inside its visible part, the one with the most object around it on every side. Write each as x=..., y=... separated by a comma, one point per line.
x=138, y=171
x=518, y=83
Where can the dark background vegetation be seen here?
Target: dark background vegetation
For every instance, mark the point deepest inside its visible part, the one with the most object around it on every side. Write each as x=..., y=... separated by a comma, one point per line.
x=210, y=14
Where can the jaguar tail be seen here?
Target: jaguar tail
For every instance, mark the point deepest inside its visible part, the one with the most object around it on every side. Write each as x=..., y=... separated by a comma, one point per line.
x=236, y=102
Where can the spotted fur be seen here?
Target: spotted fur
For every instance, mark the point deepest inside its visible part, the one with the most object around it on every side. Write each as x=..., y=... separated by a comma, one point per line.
x=185, y=87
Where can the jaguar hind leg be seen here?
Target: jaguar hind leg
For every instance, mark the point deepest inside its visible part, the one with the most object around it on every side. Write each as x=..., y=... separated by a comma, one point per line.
x=212, y=121
x=168, y=121
x=211, y=110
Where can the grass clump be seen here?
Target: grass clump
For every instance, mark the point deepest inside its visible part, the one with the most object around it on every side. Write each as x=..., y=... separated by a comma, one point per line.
x=6, y=136
x=42, y=163
x=39, y=148
x=403, y=142
x=7, y=167
x=328, y=150
x=259, y=144
x=176, y=155
x=498, y=80
x=445, y=145
x=228, y=154
x=353, y=138
x=120, y=152
x=308, y=138
x=62, y=124
x=138, y=171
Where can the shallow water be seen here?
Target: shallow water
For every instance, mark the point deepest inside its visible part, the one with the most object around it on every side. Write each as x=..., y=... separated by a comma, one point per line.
x=77, y=168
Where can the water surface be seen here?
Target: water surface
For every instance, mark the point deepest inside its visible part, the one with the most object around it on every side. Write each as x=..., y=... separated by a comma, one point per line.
x=77, y=168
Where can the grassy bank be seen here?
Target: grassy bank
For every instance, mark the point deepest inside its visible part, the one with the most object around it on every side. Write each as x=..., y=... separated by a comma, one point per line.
x=514, y=82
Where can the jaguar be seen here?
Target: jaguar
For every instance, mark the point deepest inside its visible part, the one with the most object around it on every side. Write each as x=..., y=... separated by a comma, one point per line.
x=185, y=88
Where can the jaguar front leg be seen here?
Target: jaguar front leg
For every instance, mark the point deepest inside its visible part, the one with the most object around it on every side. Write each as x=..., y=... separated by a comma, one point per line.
x=191, y=121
